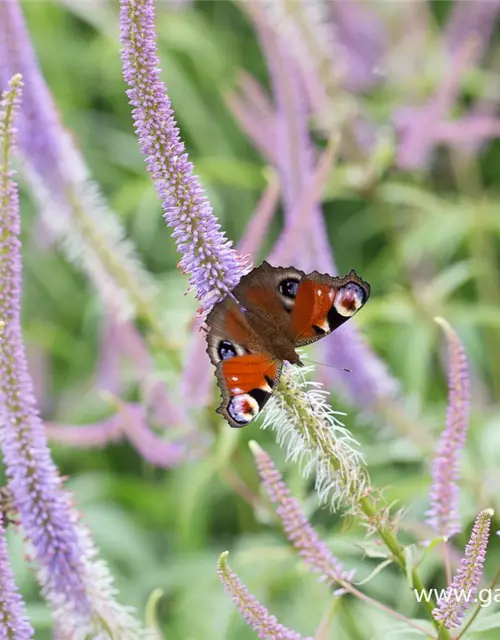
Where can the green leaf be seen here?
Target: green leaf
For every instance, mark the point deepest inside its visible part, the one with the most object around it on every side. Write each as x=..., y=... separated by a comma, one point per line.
x=375, y=572
x=409, y=553
x=152, y=613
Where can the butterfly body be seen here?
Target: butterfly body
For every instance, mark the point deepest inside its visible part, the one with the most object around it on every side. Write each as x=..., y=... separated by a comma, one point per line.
x=269, y=335
x=261, y=323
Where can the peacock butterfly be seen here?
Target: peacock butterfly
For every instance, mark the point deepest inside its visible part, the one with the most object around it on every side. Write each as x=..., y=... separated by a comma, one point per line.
x=255, y=328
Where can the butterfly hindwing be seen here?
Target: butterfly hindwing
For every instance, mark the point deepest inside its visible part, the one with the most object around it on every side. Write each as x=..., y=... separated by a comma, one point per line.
x=228, y=331
x=247, y=383
x=246, y=374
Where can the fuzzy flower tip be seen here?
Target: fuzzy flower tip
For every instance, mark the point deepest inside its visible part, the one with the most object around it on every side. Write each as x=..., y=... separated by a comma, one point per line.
x=303, y=419
x=207, y=256
x=13, y=620
x=34, y=481
x=443, y=514
x=463, y=589
x=296, y=526
x=257, y=616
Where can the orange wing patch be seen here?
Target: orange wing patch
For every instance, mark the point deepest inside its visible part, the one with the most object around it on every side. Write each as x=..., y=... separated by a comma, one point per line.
x=312, y=304
x=246, y=373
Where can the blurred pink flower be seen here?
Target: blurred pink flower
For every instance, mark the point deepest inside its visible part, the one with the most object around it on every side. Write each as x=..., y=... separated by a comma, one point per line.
x=255, y=614
x=294, y=158
x=443, y=515
x=130, y=421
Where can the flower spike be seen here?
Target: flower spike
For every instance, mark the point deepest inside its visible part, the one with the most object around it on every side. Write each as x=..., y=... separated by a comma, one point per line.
x=213, y=266
x=255, y=614
x=462, y=591
x=443, y=514
x=296, y=526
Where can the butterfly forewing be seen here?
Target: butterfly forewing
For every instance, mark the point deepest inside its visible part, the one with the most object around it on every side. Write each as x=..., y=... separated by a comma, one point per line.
x=260, y=291
x=324, y=303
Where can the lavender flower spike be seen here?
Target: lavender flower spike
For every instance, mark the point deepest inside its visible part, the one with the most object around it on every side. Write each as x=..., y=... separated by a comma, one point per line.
x=296, y=526
x=74, y=581
x=207, y=256
x=256, y=615
x=13, y=620
x=452, y=606
x=443, y=514
x=34, y=481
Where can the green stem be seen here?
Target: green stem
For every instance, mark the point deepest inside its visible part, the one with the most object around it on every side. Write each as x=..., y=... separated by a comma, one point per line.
x=10, y=98
x=312, y=431
x=391, y=612
x=322, y=632
x=391, y=542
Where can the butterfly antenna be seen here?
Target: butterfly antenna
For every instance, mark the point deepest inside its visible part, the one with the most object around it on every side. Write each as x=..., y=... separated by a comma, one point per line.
x=332, y=366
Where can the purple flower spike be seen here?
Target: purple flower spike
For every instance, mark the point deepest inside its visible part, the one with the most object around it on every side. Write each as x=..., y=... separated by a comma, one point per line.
x=462, y=591
x=296, y=526
x=255, y=614
x=443, y=514
x=472, y=19
x=75, y=582
x=34, y=481
x=207, y=256
x=39, y=122
x=129, y=421
x=13, y=620
x=360, y=37
x=120, y=341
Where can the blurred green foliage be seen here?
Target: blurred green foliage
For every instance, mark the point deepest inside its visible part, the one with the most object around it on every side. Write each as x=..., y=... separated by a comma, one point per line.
x=427, y=243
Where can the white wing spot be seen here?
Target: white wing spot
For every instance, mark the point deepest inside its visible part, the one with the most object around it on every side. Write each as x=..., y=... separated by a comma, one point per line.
x=234, y=378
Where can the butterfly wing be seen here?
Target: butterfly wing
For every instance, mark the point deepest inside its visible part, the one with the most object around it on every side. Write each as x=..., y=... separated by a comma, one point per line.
x=323, y=303
x=246, y=383
x=269, y=290
x=271, y=309
x=245, y=372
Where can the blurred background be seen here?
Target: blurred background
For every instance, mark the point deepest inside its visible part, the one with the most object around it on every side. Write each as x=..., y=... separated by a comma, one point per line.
x=411, y=202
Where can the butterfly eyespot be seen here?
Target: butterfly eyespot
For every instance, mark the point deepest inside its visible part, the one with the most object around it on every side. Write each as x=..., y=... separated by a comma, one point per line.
x=289, y=287
x=349, y=299
x=226, y=350
x=243, y=408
